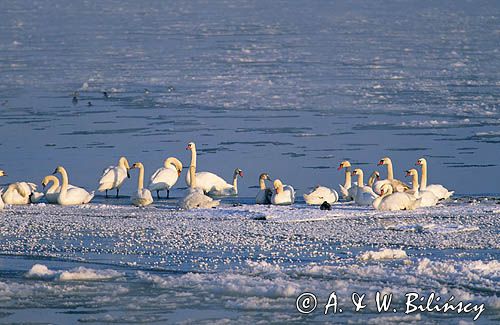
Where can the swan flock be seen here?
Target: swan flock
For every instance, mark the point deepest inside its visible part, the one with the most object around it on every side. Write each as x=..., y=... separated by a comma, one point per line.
x=389, y=194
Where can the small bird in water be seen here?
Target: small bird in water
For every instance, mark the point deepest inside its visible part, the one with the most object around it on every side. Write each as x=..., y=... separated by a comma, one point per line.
x=75, y=100
x=89, y=104
x=326, y=206
x=105, y=93
x=146, y=91
x=170, y=89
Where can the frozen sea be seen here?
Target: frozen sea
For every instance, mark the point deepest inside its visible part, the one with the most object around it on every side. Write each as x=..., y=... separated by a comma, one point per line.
x=285, y=87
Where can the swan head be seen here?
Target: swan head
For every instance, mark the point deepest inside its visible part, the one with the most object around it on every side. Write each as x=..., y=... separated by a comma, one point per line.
x=421, y=162
x=2, y=173
x=357, y=171
x=172, y=161
x=239, y=172
x=47, y=179
x=59, y=169
x=386, y=190
x=411, y=172
x=191, y=146
x=265, y=176
x=344, y=164
x=278, y=186
x=123, y=162
x=137, y=165
x=384, y=161
x=377, y=175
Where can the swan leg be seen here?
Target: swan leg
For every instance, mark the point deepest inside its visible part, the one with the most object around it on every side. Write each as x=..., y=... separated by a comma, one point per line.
x=158, y=194
x=117, y=191
x=106, y=194
x=168, y=194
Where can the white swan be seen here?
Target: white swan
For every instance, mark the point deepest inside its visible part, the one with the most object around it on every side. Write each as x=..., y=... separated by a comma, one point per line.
x=439, y=190
x=428, y=199
x=71, y=196
x=165, y=178
x=113, y=177
x=321, y=194
x=2, y=204
x=265, y=193
x=21, y=193
x=196, y=199
x=283, y=194
x=143, y=196
x=364, y=194
x=397, y=185
x=375, y=176
x=347, y=190
x=388, y=201
x=209, y=182
x=52, y=193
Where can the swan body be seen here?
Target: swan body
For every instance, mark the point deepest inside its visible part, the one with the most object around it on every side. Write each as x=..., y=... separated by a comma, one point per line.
x=364, y=194
x=195, y=198
x=2, y=204
x=347, y=190
x=428, y=198
x=21, y=193
x=143, y=196
x=396, y=184
x=264, y=194
x=52, y=192
x=439, y=190
x=211, y=183
x=165, y=178
x=321, y=194
x=71, y=196
x=283, y=194
x=113, y=177
x=388, y=201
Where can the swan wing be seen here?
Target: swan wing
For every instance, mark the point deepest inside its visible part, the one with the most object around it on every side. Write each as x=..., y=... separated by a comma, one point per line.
x=163, y=178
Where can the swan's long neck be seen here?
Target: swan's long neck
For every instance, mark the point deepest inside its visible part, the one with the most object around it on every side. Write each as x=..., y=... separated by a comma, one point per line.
x=235, y=182
x=378, y=200
x=347, y=182
x=371, y=180
x=192, y=174
x=360, y=179
x=414, y=183
x=65, y=182
x=423, y=182
x=262, y=184
x=390, y=172
x=193, y=157
x=280, y=189
x=140, y=181
x=55, y=183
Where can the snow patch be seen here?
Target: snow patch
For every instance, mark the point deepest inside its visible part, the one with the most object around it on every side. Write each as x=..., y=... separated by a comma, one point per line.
x=40, y=271
x=384, y=254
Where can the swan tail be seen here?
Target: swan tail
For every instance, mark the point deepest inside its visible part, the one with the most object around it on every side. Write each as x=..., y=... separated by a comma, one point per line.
x=89, y=197
x=448, y=195
x=343, y=191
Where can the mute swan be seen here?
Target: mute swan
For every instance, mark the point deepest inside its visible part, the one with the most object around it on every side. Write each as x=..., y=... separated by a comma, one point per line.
x=21, y=193
x=143, y=196
x=397, y=185
x=364, y=194
x=196, y=199
x=283, y=195
x=166, y=177
x=321, y=194
x=264, y=195
x=347, y=190
x=388, y=201
x=71, y=196
x=209, y=182
x=439, y=190
x=52, y=192
x=114, y=176
x=428, y=199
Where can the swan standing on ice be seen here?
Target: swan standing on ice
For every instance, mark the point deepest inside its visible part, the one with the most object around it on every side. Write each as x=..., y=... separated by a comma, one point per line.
x=397, y=185
x=364, y=194
x=320, y=195
x=196, y=199
x=166, y=177
x=439, y=190
x=71, y=196
x=265, y=193
x=114, y=176
x=347, y=190
x=209, y=182
x=52, y=192
x=428, y=199
x=387, y=201
x=143, y=196
x=283, y=194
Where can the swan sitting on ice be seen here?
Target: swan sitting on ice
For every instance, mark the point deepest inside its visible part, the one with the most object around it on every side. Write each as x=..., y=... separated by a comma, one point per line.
x=364, y=194
x=347, y=190
x=143, y=196
x=113, y=177
x=21, y=193
x=165, y=178
x=71, y=196
x=264, y=195
x=283, y=194
x=439, y=190
x=211, y=183
x=320, y=195
x=196, y=199
x=387, y=201
x=397, y=185
x=52, y=192
x=428, y=199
